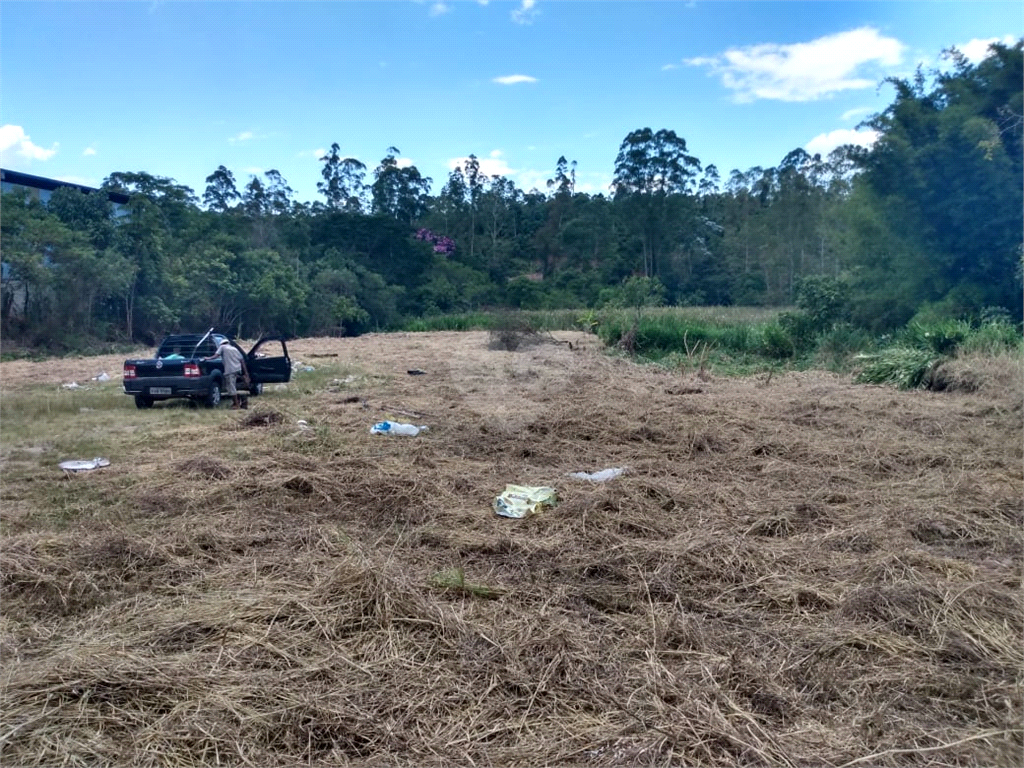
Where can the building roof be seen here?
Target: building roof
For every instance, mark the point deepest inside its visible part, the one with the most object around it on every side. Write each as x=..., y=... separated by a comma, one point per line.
x=41, y=182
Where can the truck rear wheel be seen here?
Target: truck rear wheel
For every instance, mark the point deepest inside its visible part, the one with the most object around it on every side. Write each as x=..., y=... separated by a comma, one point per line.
x=143, y=401
x=213, y=396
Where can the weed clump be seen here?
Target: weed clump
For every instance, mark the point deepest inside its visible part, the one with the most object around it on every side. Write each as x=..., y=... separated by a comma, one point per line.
x=512, y=332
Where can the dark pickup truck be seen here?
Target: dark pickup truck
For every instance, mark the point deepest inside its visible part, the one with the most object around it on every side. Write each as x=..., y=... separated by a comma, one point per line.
x=179, y=370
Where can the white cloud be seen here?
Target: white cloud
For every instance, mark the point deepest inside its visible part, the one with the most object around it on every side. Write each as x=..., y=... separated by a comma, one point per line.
x=513, y=79
x=489, y=166
x=404, y=162
x=243, y=136
x=530, y=180
x=824, y=143
x=667, y=67
x=976, y=50
x=254, y=170
x=852, y=113
x=600, y=185
x=14, y=142
x=525, y=13
x=806, y=71
x=317, y=153
x=439, y=9
x=88, y=152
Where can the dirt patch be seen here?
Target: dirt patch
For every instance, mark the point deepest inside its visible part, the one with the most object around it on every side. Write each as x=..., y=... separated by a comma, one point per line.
x=801, y=571
x=263, y=418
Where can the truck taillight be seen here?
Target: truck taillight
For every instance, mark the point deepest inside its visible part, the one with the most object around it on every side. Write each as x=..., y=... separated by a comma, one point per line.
x=191, y=369
x=129, y=371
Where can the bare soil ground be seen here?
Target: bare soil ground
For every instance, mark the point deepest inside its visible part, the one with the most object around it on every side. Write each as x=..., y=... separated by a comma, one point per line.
x=794, y=570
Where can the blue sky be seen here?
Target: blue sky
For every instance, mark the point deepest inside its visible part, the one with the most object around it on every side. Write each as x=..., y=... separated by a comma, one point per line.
x=178, y=88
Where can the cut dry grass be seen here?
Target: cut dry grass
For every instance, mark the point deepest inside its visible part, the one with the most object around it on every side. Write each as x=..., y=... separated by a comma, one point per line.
x=797, y=572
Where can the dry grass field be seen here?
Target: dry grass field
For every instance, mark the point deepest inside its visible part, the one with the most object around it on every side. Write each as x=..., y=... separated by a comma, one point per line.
x=794, y=570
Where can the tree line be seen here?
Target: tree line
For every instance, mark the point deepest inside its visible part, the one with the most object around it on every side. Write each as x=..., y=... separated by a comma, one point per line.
x=926, y=220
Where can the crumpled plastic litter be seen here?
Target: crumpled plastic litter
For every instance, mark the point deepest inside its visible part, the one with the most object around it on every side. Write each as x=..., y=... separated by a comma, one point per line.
x=83, y=465
x=397, y=428
x=302, y=367
x=72, y=385
x=519, y=501
x=599, y=477
x=303, y=424
x=102, y=376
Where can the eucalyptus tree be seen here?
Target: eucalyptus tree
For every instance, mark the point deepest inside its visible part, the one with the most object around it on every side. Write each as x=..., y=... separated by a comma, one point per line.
x=451, y=202
x=399, y=191
x=221, y=192
x=343, y=184
x=548, y=239
x=654, y=174
x=475, y=181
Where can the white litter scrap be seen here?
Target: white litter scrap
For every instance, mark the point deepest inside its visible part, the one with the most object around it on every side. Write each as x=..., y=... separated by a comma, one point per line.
x=397, y=428
x=102, y=376
x=303, y=424
x=72, y=385
x=599, y=477
x=83, y=465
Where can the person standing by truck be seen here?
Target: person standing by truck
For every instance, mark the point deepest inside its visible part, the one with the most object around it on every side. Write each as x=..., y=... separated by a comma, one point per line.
x=234, y=363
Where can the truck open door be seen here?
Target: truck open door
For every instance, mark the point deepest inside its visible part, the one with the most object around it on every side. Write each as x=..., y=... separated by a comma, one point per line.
x=268, y=362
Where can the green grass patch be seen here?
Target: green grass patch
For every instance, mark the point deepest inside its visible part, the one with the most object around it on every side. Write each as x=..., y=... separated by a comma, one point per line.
x=659, y=334
x=993, y=339
x=469, y=321
x=592, y=319
x=901, y=366
x=454, y=580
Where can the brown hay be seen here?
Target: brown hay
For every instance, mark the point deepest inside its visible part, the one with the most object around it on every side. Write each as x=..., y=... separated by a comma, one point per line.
x=972, y=373
x=204, y=468
x=806, y=573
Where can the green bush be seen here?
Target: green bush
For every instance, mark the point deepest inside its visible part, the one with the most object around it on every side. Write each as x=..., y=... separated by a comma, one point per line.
x=942, y=337
x=993, y=338
x=776, y=342
x=801, y=328
x=823, y=299
x=836, y=345
x=995, y=315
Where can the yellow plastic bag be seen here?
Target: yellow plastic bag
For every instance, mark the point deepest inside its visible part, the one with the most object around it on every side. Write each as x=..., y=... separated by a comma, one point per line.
x=519, y=501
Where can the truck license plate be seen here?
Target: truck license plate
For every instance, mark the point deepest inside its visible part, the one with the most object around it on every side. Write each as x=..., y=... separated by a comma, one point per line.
x=159, y=390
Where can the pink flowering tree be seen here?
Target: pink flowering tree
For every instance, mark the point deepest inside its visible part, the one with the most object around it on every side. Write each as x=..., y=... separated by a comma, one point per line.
x=441, y=243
